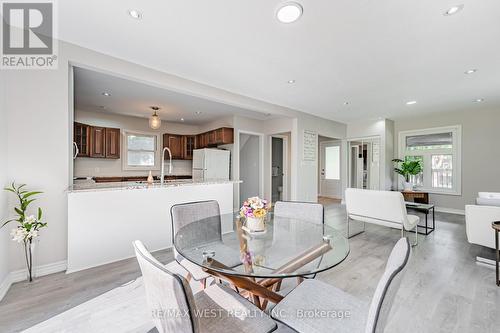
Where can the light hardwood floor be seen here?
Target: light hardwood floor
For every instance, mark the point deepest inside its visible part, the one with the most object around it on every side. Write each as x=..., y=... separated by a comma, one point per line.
x=444, y=290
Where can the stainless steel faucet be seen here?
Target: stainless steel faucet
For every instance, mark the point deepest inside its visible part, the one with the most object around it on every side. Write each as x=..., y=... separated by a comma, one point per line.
x=162, y=180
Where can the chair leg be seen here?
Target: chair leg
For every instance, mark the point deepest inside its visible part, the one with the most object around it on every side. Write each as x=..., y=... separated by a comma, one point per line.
x=416, y=236
x=204, y=284
x=300, y=279
x=189, y=277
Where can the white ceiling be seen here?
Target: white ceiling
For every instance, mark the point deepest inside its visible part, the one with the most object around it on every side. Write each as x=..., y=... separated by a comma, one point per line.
x=375, y=54
x=135, y=99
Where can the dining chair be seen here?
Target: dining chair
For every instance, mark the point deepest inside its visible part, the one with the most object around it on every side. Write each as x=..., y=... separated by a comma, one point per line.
x=174, y=308
x=209, y=232
x=307, y=211
x=345, y=312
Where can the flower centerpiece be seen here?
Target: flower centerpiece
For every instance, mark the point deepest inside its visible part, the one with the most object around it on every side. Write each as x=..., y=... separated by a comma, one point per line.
x=28, y=226
x=254, y=210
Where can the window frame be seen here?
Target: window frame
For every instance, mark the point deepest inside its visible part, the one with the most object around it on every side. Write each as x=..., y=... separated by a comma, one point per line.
x=157, y=157
x=455, y=151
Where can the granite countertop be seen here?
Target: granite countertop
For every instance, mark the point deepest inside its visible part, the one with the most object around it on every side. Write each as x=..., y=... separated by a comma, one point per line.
x=94, y=187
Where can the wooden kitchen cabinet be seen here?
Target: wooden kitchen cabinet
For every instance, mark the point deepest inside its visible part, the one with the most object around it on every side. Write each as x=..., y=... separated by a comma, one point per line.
x=97, y=142
x=189, y=145
x=176, y=145
x=112, y=142
x=224, y=136
x=81, y=137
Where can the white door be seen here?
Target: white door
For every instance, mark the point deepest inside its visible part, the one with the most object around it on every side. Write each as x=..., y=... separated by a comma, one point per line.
x=330, y=183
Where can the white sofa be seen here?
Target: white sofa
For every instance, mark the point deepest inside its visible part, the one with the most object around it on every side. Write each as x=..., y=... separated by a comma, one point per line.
x=488, y=199
x=478, y=219
x=386, y=208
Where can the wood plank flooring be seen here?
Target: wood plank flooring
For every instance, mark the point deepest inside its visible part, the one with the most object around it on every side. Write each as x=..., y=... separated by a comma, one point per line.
x=444, y=290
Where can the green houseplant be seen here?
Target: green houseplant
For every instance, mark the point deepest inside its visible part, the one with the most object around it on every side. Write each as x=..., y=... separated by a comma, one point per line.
x=406, y=169
x=28, y=226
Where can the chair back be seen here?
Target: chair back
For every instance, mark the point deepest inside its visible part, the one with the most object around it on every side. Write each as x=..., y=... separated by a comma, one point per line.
x=168, y=295
x=380, y=205
x=207, y=212
x=308, y=211
x=388, y=286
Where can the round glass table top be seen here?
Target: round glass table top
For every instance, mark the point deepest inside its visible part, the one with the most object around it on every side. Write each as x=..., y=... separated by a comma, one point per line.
x=288, y=247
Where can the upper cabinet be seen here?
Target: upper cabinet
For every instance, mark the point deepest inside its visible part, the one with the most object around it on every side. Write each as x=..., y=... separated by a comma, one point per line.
x=81, y=136
x=217, y=137
x=176, y=145
x=112, y=142
x=189, y=146
x=96, y=141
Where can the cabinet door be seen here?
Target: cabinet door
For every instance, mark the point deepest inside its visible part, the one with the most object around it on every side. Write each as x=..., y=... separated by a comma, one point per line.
x=112, y=143
x=81, y=136
x=227, y=135
x=189, y=146
x=211, y=138
x=175, y=144
x=97, y=141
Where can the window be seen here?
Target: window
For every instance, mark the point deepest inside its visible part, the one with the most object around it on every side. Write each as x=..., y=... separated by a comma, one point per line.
x=141, y=151
x=332, y=162
x=439, y=152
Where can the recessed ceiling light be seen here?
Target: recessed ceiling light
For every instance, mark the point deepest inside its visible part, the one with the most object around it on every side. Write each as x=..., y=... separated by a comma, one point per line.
x=346, y=103
x=453, y=10
x=107, y=94
x=198, y=112
x=291, y=81
x=470, y=71
x=182, y=119
x=411, y=102
x=289, y=12
x=135, y=14
x=479, y=100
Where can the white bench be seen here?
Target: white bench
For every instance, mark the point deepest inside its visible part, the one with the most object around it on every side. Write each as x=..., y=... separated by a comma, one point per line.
x=385, y=208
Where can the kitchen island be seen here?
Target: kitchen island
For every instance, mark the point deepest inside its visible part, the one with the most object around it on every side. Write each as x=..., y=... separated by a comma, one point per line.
x=104, y=219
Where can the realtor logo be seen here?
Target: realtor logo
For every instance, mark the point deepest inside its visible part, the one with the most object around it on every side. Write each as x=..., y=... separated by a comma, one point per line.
x=27, y=36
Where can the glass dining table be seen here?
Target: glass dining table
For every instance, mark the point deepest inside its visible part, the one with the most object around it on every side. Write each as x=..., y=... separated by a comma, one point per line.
x=256, y=262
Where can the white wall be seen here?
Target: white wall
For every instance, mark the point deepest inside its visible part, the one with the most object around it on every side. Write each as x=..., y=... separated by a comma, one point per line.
x=4, y=240
x=480, y=155
x=99, y=167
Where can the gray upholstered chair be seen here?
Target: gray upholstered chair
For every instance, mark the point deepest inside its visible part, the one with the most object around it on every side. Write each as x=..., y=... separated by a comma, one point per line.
x=210, y=231
x=343, y=312
x=308, y=211
x=174, y=308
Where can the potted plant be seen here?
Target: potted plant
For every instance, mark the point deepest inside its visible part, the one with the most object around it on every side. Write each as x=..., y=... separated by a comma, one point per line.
x=28, y=226
x=406, y=169
x=254, y=210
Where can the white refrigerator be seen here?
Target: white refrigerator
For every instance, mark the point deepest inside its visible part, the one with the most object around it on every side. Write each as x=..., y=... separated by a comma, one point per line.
x=211, y=164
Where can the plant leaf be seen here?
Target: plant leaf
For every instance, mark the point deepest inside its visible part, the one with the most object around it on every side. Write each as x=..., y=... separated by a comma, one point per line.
x=39, y=213
x=29, y=194
x=6, y=222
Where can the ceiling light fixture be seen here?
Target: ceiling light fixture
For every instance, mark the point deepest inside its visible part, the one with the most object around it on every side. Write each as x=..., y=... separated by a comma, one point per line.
x=198, y=112
x=182, y=119
x=135, y=14
x=289, y=12
x=470, y=71
x=107, y=94
x=291, y=81
x=155, y=121
x=411, y=102
x=346, y=103
x=453, y=10
x=479, y=100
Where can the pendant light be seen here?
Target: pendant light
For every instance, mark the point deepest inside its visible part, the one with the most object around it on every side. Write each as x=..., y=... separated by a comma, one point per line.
x=155, y=121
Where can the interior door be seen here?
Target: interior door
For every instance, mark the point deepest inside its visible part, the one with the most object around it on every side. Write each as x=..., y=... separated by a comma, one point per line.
x=330, y=182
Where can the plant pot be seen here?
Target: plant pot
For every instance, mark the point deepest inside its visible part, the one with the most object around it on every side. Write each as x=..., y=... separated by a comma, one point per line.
x=407, y=186
x=256, y=223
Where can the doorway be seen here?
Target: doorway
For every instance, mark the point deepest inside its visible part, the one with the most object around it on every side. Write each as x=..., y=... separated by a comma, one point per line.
x=330, y=182
x=279, y=168
x=250, y=165
x=364, y=163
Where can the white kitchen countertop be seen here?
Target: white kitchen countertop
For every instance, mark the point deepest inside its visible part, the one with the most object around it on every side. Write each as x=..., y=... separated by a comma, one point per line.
x=94, y=187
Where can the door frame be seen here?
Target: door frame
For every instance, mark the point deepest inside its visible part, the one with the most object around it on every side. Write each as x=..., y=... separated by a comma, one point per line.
x=320, y=161
x=286, y=195
x=349, y=165
x=261, y=164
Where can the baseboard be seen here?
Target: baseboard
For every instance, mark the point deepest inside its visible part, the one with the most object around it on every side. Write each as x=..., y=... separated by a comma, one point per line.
x=20, y=275
x=450, y=210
